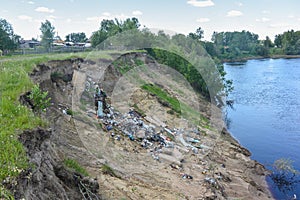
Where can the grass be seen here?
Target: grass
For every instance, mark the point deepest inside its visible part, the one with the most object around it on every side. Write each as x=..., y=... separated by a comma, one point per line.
x=74, y=165
x=180, y=108
x=127, y=65
x=15, y=118
x=163, y=96
x=140, y=111
x=106, y=169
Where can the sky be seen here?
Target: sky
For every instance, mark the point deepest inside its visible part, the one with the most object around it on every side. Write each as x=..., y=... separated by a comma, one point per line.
x=263, y=17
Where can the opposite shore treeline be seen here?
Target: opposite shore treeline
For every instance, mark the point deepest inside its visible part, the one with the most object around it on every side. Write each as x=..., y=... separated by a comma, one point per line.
x=226, y=46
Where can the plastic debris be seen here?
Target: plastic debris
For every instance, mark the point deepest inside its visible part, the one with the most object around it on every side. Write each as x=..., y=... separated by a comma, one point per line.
x=192, y=140
x=109, y=127
x=186, y=176
x=210, y=180
x=118, y=137
x=149, y=136
x=131, y=137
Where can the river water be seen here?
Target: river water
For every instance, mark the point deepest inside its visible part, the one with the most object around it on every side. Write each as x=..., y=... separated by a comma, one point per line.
x=266, y=114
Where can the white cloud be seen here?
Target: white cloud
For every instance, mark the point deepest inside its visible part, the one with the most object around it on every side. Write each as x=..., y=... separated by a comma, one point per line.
x=95, y=18
x=52, y=17
x=234, y=13
x=291, y=16
x=265, y=12
x=137, y=12
x=279, y=25
x=68, y=20
x=264, y=19
x=106, y=14
x=30, y=2
x=44, y=10
x=203, y=20
x=110, y=17
x=25, y=17
x=201, y=3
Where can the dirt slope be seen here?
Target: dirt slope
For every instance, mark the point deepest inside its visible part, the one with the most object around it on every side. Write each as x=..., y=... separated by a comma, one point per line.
x=124, y=169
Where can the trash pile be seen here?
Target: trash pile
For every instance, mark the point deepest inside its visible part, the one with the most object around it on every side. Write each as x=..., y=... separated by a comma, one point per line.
x=151, y=134
x=152, y=137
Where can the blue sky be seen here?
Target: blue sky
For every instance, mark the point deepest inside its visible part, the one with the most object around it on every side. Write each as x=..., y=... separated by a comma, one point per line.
x=264, y=17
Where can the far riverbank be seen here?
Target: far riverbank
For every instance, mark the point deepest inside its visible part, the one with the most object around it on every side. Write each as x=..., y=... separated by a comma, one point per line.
x=244, y=59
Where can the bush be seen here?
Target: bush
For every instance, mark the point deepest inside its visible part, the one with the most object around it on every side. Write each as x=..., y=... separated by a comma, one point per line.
x=39, y=98
x=70, y=112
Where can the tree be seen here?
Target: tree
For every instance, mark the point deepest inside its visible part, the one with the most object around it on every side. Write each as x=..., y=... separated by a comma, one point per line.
x=8, y=40
x=47, y=34
x=76, y=37
x=198, y=35
x=110, y=28
x=268, y=43
x=235, y=44
x=278, y=40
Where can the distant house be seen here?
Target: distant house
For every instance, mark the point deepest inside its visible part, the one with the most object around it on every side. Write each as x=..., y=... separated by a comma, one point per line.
x=58, y=43
x=24, y=44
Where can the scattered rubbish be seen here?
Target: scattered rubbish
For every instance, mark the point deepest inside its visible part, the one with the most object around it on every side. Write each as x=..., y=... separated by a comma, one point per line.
x=186, y=176
x=145, y=143
x=155, y=157
x=210, y=180
x=184, y=142
x=174, y=166
x=151, y=133
x=131, y=137
x=202, y=146
x=109, y=127
x=195, y=150
x=118, y=137
x=168, y=131
x=192, y=140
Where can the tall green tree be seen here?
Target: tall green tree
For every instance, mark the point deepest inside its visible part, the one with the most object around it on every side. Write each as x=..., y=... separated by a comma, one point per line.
x=76, y=37
x=198, y=35
x=47, y=34
x=268, y=43
x=290, y=42
x=8, y=40
x=112, y=27
x=278, y=40
x=235, y=44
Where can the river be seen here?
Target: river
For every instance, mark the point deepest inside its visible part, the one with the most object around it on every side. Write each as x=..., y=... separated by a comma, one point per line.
x=266, y=114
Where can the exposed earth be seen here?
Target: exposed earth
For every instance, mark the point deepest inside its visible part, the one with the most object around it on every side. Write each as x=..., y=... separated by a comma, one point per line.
x=141, y=150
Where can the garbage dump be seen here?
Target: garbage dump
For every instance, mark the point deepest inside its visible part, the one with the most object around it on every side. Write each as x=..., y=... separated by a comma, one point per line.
x=160, y=141
x=154, y=138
